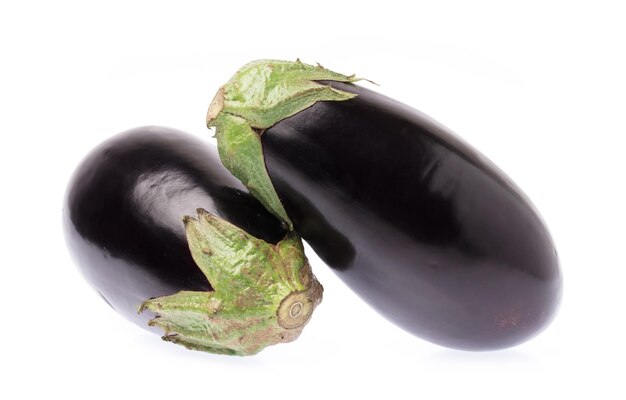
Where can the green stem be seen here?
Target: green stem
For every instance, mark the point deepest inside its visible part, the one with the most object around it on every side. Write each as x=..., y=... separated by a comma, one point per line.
x=261, y=94
x=263, y=294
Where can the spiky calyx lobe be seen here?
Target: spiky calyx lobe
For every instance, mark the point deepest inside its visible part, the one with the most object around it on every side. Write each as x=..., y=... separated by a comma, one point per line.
x=264, y=294
x=261, y=94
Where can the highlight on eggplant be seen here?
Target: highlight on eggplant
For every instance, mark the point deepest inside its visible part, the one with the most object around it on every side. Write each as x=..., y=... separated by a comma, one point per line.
x=433, y=235
x=156, y=224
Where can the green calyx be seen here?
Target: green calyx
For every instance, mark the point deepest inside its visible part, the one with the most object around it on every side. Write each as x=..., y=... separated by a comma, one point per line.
x=264, y=294
x=261, y=94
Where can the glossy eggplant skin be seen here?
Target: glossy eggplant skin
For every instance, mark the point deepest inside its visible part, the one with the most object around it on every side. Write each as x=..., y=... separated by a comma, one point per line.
x=124, y=209
x=422, y=226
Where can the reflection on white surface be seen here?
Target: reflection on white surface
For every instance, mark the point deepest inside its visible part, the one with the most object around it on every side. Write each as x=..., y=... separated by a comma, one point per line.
x=468, y=358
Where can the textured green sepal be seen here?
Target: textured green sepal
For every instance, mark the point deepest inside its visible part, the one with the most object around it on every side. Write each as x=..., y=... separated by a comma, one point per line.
x=241, y=153
x=261, y=94
x=263, y=294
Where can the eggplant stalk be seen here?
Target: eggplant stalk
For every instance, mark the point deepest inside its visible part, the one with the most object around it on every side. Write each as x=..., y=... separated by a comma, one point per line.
x=261, y=94
x=263, y=294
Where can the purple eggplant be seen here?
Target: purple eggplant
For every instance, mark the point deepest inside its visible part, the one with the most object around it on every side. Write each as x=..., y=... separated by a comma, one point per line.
x=157, y=224
x=417, y=222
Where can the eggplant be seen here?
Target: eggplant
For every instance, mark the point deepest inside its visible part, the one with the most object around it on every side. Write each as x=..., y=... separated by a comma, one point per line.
x=157, y=224
x=417, y=222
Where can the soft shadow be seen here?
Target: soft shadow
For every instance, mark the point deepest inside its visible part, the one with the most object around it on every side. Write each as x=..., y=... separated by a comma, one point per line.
x=504, y=357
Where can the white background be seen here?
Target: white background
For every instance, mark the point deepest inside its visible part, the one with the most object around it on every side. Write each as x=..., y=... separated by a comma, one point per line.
x=539, y=87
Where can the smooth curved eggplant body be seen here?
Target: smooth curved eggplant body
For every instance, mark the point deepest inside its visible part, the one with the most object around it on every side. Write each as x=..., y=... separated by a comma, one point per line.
x=423, y=227
x=124, y=210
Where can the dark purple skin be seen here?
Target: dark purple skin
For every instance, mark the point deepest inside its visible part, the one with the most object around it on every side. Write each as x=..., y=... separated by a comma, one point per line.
x=423, y=227
x=124, y=208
